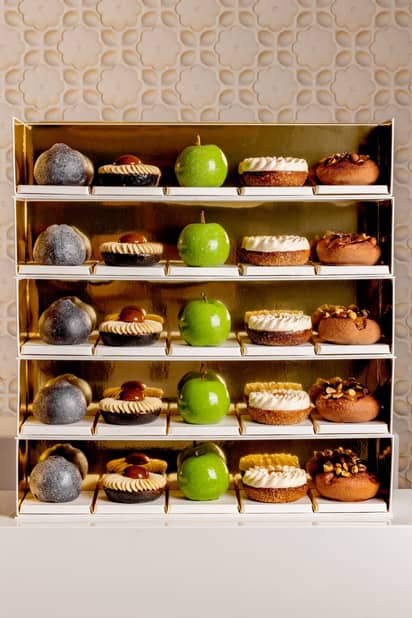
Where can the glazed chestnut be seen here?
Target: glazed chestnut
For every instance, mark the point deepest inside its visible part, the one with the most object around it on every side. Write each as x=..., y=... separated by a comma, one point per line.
x=127, y=159
x=132, y=391
x=133, y=237
x=136, y=472
x=137, y=459
x=132, y=313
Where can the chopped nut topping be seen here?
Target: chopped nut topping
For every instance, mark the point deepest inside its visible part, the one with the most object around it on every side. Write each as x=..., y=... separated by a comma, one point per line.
x=339, y=462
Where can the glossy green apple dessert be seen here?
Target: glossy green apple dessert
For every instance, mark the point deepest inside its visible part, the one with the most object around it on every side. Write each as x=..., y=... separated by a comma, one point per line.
x=203, y=398
x=203, y=244
x=204, y=322
x=201, y=165
x=202, y=473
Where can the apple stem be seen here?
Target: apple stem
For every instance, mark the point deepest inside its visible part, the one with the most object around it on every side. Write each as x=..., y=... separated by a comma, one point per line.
x=202, y=217
x=204, y=297
x=198, y=142
x=203, y=369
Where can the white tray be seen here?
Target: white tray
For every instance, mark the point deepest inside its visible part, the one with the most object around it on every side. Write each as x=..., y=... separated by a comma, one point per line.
x=54, y=271
x=60, y=190
x=37, y=347
x=351, y=190
x=249, y=270
x=178, y=504
x=228, y=426
x=156, y=428
x=201, y=191
x=335, y=349
x=250, y=428
x=33, y=427
x=327, y=427
x=351, y=271
x=275, y=351
x=276, y=191
x=155, y=350
x=179, y=270
x=323, y=505
x=104, y=506
x=129, y=191
x=137, y=272
x=180, y=349
x=251, y=507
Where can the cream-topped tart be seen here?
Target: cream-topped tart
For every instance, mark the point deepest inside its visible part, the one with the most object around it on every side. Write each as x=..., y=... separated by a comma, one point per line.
x=132, y=249
x=282, y=250
x=278, y=327
x=277, y=403
x=275, y=483
x=138, y=479
x=273, y=171
x=129, y=171
x=131, y=327
x=132, y=403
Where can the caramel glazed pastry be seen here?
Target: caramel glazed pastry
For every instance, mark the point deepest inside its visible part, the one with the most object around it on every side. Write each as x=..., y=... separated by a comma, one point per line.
x=273, y=171
x=343, y=401
x=134, y=478
x=278, y=327
x=274, y=250
x=339, y=474
x=273, y=477
x=277, y=403
x=345, y=325
x=133, y=403
x=129, y=171
x=343, y=248
x=132, y=249
x=347, y=168
x=131, y=327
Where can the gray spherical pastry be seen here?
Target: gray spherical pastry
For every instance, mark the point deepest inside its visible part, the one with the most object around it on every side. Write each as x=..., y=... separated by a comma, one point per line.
x=70, y=453
x=67, y=321
x=55, y=480
x=63, y=245
x=62, y=401
x=61, y=165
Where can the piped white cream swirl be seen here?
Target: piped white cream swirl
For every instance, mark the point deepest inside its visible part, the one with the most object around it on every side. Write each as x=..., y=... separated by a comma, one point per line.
x=124, y=483
x=269, y=244
x=273, y=164
x=279, y=321
x=278, y=477
x=283, y=400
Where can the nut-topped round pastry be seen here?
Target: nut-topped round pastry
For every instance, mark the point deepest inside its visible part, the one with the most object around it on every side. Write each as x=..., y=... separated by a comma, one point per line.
x=133, y=403
x=344, y=401
x=345, y=325
x=273, y=171
x=339, y=474
x=347, y=168
x=278, y=327
x=135, y=478
x=131, y=249
x=344, y=248
x=283, y=250
x=131, y=327
x=129, y=171
x=277, y=403
x=275, y=477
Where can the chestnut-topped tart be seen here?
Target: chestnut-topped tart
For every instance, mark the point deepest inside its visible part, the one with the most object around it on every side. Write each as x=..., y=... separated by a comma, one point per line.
x=129, y=171
x=131, y=249
x=131, y=327
x=135, y=478
x=132, y=403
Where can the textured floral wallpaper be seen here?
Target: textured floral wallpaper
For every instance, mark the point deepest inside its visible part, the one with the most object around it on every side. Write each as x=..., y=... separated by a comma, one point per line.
x=210, y=60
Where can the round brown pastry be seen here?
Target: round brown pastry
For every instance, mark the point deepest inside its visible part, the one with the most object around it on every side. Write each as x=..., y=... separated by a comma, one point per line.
x=128, y=171
x=344, y=401
x=275, y=478
x=132, y=249
x=273, y=171
x=339, y=474
x=347, y=168
x=277, y=403
x=132, y=403
x=128, y=482
x=346, y=325
x=342, y=248
x=278, y=327
x=274, y=250
x=131, y=327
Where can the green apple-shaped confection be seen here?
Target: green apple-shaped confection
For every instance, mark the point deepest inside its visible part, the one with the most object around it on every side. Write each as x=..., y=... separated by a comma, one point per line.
x=202, y=473
x=204, y=322
x=201, y=166
x=203, y=244
x=203, y=398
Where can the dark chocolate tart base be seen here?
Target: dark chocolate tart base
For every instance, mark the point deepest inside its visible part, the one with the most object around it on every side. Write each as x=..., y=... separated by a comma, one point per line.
x=274, y=258
x=129, y=180
x=127, y=497
x=113, y=339
x=264, y=337
x=121, y=259
x=116, y=418
x=274, y=179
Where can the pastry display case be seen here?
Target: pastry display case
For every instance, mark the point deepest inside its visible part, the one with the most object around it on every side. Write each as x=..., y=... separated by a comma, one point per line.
x=105, y=213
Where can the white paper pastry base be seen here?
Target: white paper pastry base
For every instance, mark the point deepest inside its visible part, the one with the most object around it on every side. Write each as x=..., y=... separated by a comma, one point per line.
x=323, y=505
x=352, y=271
x=33, y=427
x=335, y=349
x=229, y=348
x=155, y=350
x=137, y=272
x=328, y=428
x=104, y=506
x=228, y=426
x=276, y=191
x=178, y=504
x=275, y=351
x=201, y=191
x=351, y=190
x=179, y=270
x=60, y=190
x=248, y=270
x=250, y=428
x=155, y=428
x=54, y=271
x=129, y=191
x=252, y=507
x=38, y=347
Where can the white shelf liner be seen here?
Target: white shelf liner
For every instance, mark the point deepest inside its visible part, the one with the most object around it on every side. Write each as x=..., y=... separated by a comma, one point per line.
x=104, y=506
x=178, y=504
x=327, y=427
x=277, y=191
x=60, y=190
x=128, y=191
x=33, y=427
x=352, y=271
x=80, y=506
x=306, y=350
x=323, y=505
x=250, y=428
x=180, y=349
x=252, y=507
x=351, y=190
x=155, y=428
x=228, y=426
x=55, y=271
x=38, y=347
x=342, y=350
x=202, y=191
x=137, y=272
x=248, y=270
x=155, y=350
x=180, y=270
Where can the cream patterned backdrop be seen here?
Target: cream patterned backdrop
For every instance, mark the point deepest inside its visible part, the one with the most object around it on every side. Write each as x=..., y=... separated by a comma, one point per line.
x=210, y=60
